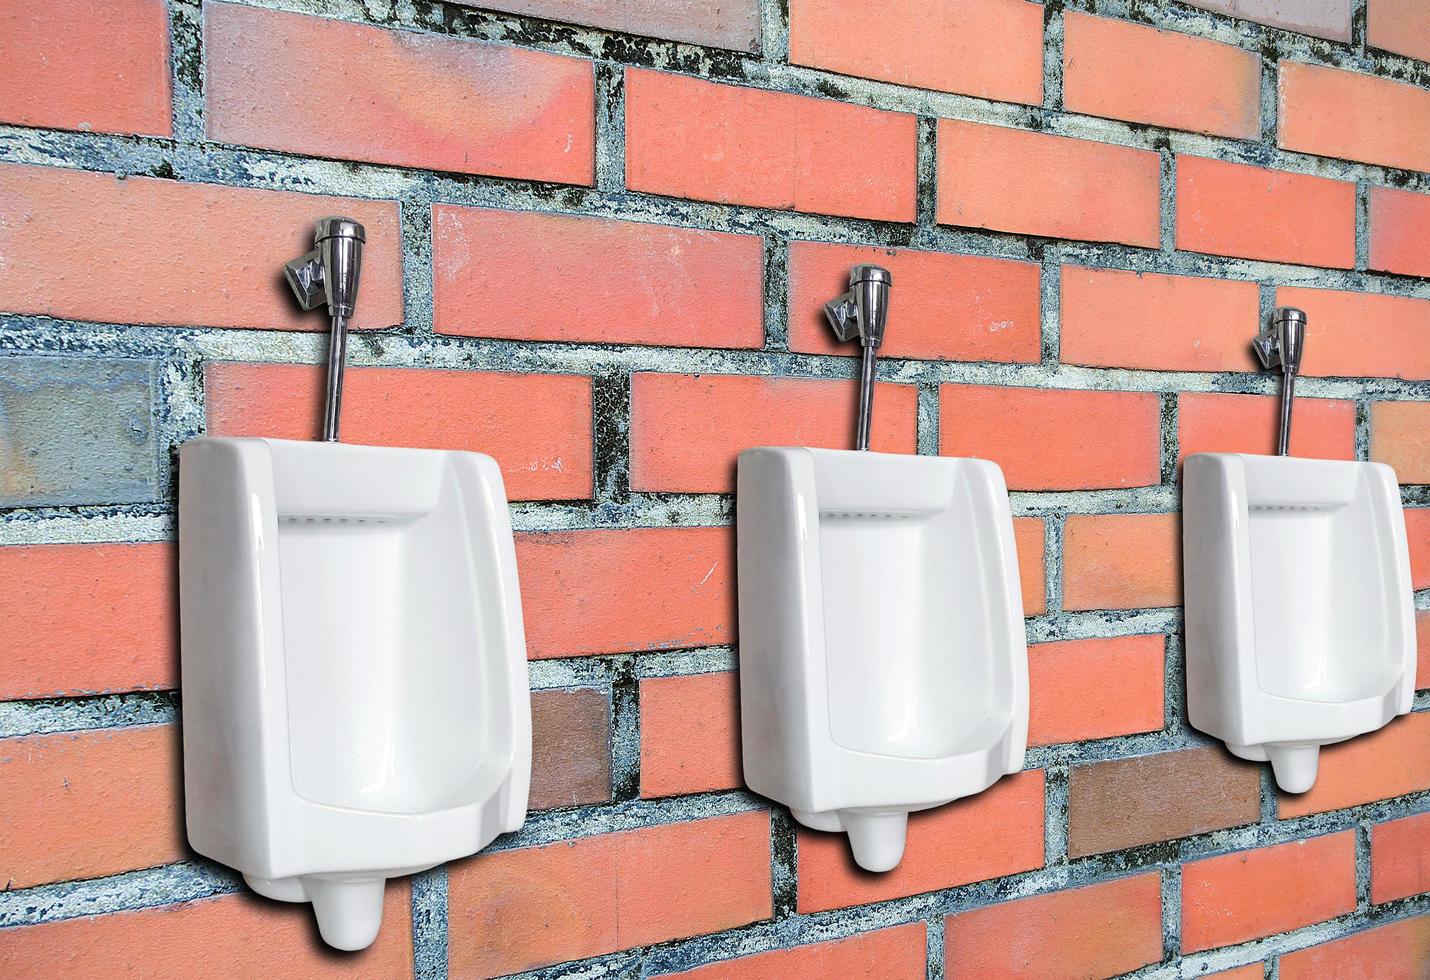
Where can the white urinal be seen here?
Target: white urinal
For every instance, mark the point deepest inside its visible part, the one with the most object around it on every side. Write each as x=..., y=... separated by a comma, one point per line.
x=355, y=701
x=883, y=665
x=1299, y=619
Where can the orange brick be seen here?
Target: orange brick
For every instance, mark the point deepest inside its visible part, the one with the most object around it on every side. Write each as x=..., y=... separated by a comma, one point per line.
x=1395, y=952
x=1336, y=113
x=1402, y=26
x=85, y=619
x=396, y=97
x=536, y=426
x=1047, y=439
x=992, y=49
x=1362, y=334
x=1213, y=422
x=232, y=936
x=89, y=804
x=1053, y=186
x=998, y=832
x=1123, y=70
x=690, y=734
x=1097, y=931
x=733, y=24
x=949, y=307
x=899, y=953
x=1417, y=530
x=1399, y=231
x=686, y=137
x=1422, y=632
x=1400, y=436
x=594, y=279
x=519, y=909
x=1251, y=212
x=1251, y=971
x=1390, y=762
x=146, y=243
x=1122, y=561
x=688, y=429
x=629, y=590
x=1112, y=318
x=70, y=64
x=1071, y=700
x=1400, y=858
x=1250, y=894
x=1029, y=539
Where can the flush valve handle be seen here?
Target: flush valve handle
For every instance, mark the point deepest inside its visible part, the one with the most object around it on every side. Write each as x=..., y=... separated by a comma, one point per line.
x=1280, y=345
x=862, y=312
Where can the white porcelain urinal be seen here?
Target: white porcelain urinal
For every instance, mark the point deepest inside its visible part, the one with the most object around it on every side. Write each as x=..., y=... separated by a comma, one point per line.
x=355, y=701
x=1299, y=618
x=883, y=666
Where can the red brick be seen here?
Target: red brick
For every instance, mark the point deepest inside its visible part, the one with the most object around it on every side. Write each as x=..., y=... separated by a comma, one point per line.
x=611, y=591
x=686, y=137
x=1400, y=858
x=396, y=97
x=1390, y=762
x=88, y=805
x=1399, y=231
x=688, y=429
x=1049, y=439
x=1213, y=422
x=70, y=64
x=519, y=909
x=570, y=748
x=1121, y=803
x=899, y=953
x=1122, y=561
x=1098, y=931
x=1112, y=318
x=1071, y=700
x=1250, y=894
x=91, y=246
x=690, y=734
x=1251, y=212
x=231, y=936
x=1053, y=186
x=536, y=426
x=86, y=619
x=998, y=832
x=1395, y=952
x=1398, y=436
x=992, y=49
x=1417, y=530
x=1029, y=539
x=1362, y=334
x=948, y=307
x=1123, y=70
x=1402, y=26
x=1336, y=113
x=594, y=279
x=1422, y=632
x=731, y=24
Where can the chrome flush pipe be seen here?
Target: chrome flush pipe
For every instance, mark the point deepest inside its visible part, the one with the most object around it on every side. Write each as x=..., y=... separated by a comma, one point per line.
x=329, y=274
x=863, y=312
x=1280, y=345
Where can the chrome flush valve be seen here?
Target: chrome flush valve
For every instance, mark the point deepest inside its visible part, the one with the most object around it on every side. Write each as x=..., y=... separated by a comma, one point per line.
x=1279, y=345
x=329, y=274
x=862, y=312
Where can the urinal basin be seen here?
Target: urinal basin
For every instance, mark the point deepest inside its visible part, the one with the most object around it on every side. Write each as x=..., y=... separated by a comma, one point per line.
x=883, y=667
x=354, y=669
x=1299, y=613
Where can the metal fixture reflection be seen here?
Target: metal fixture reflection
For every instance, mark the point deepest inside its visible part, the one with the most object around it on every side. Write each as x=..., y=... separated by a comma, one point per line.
x=1280, y=345
x=329, y=273
x=862, y=312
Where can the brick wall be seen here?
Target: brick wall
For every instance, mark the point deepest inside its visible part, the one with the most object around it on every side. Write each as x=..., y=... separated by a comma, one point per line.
x=600, y=235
